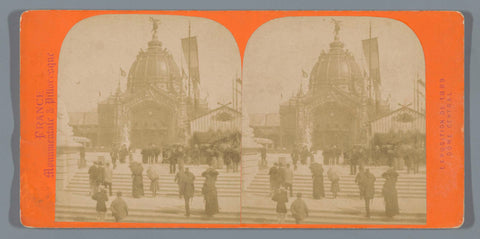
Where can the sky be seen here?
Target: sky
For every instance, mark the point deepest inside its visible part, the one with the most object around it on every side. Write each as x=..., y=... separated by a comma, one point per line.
x=94, y=50
x=279, y=50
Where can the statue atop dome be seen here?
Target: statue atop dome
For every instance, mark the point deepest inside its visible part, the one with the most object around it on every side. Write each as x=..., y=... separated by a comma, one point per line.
x=336, y=29
x=155, y=23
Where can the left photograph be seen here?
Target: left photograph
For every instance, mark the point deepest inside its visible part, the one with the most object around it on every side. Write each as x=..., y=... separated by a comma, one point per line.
x=148, y=121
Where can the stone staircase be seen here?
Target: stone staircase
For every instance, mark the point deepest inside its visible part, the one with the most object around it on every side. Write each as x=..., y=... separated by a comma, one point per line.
x=228, y=184
x=408, y=186
x=87, y=213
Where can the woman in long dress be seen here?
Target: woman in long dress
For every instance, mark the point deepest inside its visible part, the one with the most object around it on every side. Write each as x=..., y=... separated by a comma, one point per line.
x=137, y=179
x=317, y=176
x=389, y=192
x=209, y=192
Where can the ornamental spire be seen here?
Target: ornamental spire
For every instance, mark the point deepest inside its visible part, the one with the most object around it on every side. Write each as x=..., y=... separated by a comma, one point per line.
x=336, y=29
x=155, y=23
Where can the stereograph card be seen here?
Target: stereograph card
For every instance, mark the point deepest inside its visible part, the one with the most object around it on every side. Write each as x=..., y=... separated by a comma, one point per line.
x=242, y=119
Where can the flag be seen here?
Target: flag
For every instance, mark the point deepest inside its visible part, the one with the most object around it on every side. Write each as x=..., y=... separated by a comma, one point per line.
x=122, y=72
x=305, y=74
x=190, y=51
x=370, y=50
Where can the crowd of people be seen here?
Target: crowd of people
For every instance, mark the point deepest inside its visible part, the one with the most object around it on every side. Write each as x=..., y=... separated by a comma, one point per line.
x=220, y=156
x=178, y=158
x=100, y=179
x=398, y=156
x=282, y=185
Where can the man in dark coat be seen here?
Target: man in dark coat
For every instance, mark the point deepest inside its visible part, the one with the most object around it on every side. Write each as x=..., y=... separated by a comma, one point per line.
x=188, y=188
x=369, y=185
x=299, y=209
x=317, y=176
x=119, y=208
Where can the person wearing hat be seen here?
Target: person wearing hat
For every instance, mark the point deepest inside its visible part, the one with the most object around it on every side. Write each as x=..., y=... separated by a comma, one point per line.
x=389, y=192
x=209, y=191
x=299, y=209
x=101, y=198
x=119, y=208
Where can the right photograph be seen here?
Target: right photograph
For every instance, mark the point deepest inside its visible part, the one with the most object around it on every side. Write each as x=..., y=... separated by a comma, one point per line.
x=333, y=123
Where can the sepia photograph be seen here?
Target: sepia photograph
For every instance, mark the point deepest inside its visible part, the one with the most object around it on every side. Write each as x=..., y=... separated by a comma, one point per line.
x=334, y=123
x=149, y=121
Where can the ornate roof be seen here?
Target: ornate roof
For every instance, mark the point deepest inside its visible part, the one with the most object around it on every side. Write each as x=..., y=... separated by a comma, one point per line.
x=337, y=67
x=154, y=67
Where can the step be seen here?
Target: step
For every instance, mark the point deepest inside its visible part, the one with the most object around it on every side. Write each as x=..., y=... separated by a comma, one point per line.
x=86, y=213
x=147, y=193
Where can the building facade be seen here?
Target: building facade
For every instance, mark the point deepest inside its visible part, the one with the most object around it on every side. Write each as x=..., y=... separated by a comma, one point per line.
x=336, y=108
x=154, y=108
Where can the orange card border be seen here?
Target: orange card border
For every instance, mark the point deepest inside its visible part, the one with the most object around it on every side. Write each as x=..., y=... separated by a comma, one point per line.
x=441, y=34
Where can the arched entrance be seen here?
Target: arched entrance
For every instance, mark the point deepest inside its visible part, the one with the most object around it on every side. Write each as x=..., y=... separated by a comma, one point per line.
x=151, y=123
x=333, y=124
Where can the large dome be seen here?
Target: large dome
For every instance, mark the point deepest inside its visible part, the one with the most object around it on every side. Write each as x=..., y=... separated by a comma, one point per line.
x=337, y=67
x=154, y=67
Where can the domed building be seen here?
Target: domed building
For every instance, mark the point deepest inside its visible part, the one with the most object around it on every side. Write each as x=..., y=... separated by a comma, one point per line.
x=336, y=108
x=154, y=108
